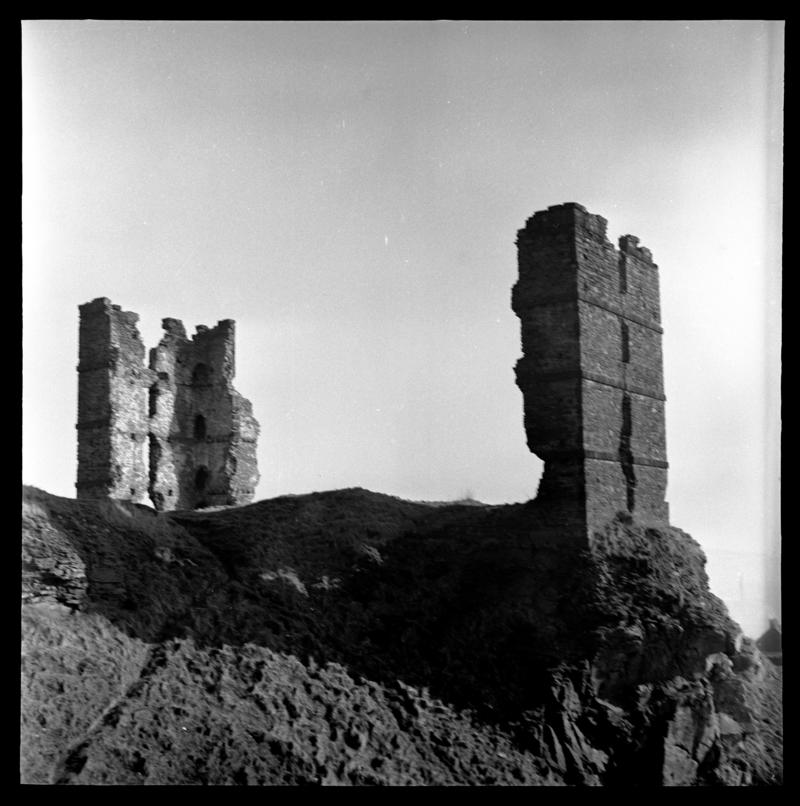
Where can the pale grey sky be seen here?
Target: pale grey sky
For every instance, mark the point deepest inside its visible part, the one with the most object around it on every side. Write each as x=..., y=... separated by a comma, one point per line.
x=349, y=193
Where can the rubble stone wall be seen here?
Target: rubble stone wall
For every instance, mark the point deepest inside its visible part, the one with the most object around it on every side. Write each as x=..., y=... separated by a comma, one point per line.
x=591, y=373
x=112, y=404
x=178, y=431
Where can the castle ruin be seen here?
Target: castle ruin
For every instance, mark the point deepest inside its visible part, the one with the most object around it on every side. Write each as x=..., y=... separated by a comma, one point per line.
x=176, y=432
x=591, y=376
x=591, y=373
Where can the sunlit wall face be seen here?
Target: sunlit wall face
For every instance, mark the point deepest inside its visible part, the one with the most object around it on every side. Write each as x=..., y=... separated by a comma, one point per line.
x=350, y=194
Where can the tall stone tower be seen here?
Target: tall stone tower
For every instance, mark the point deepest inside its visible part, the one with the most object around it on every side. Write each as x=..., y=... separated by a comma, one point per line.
x=202, y=431
x=112, y=404
x=177, y=431
x=591, y=373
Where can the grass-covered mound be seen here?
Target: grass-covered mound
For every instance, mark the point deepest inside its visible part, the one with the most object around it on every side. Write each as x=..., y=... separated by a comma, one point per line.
x=352, y=637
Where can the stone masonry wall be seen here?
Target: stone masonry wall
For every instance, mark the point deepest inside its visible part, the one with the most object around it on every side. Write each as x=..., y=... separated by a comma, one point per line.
x=591, y=373
x=197, y=432
x=112, y=410
x=203, y=443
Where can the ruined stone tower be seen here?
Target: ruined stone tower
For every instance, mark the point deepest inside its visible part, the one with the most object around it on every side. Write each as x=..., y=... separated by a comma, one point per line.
x=178, y=431
x=202, y=431
x=112, y=404
x=591, y=373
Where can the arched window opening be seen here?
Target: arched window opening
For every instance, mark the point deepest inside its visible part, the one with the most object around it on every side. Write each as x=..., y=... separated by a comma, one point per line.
x=201, y=376
x=201, y=479
x=199, y=427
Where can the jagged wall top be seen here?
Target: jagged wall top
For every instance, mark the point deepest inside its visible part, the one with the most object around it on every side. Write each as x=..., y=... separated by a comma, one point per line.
x=213, y=346
x=564, y=219
x=181, y=416
x=568, y=218
x=591, y=372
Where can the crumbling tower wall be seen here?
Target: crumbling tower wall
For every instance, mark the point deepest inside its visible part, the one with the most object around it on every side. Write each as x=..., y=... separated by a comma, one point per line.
x=591, y=373
x=178, y=431
x=203, y=434
x=112, y=404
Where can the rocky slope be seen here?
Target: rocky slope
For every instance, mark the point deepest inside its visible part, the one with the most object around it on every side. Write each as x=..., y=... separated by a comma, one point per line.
x=354, y=638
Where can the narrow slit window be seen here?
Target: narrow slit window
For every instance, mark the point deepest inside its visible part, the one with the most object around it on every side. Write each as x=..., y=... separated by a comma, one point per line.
x=152, y=401
x=625, y=453
x=199, y=427
x=626, y=344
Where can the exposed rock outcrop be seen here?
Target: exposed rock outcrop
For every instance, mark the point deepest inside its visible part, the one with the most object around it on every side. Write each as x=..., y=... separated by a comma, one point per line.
x=354, y=638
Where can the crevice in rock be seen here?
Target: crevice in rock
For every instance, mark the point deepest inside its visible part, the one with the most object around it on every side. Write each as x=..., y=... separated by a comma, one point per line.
x=74, y=760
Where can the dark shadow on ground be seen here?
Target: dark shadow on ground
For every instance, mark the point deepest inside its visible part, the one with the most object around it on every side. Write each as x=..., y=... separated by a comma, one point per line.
x=452, y=598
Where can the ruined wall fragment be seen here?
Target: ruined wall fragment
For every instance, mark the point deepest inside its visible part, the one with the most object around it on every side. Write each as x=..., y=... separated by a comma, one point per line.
x=178, y=430
x=203, y=449
x=112, y=404
x=591, y=373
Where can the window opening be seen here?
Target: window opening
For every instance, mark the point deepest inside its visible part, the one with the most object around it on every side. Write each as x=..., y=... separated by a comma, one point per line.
x=201, y=478
x=199, y=427
x=626, y=345
x=623, y=275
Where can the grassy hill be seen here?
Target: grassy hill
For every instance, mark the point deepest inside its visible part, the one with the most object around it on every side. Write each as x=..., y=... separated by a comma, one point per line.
x=350, y=637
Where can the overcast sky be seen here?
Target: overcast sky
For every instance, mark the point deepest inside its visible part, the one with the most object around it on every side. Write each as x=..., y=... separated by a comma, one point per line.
x=350, y=193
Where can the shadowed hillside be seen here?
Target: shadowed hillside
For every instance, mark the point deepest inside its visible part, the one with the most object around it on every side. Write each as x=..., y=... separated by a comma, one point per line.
x=350, y=637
